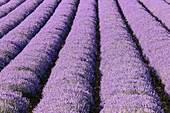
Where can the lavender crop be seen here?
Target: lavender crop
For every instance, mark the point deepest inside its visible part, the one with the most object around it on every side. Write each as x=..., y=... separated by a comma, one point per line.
x=153, y=38
x=2, y=2
x=18, y=38
x=24, y=73
x=125, y=83
x=160, y=9
x=168, y=1
x=8, y=7
x=17, y=16
x=69, y=88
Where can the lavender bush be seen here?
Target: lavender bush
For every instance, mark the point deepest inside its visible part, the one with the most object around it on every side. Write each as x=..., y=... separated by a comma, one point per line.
x=69, y=88
x=8, y=7
x=17, y=16
x=18, y=38
x=2, y=2
x=160, y=9
x=24, y=73
x=125, y=83
x=153, y=38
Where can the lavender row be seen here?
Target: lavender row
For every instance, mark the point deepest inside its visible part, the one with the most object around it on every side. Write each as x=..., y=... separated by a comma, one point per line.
x=69, y=88
x=125, y=83
x=168, y=1
x=2, y=2
x=14, y=18
x=24, y=73
x=153, y=38
x=8, y=7
x=160, y=9
x=12, y=43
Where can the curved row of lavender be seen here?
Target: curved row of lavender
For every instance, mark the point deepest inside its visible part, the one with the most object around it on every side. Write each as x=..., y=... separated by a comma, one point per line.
x=153, y=38
x=2, y=2
x=8, y=7
x=12, y=43
x=125, y=83
x=69, y=88
x=14, y=18
x=24, y=73
x=168, y=1
x=160, y=9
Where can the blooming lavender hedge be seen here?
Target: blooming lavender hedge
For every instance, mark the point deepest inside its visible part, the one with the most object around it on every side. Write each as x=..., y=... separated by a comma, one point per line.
x=2, y=2
x=12, y=43
x=160, y=9
x=167, y=1
x=17, y=16
x=8, y=7
x=69, y=88
x=153, y=38
x=125, y=83
x=24, y=73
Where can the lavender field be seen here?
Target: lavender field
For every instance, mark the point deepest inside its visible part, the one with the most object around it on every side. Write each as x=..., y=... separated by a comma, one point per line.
x=84, y=56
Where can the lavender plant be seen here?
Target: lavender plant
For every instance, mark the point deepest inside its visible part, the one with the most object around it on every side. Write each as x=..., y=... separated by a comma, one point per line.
x=23, y=75
x=125, y=83
x=8, y=7
x=69, y=88
x=10, y=21
x=2, y=2
x=18, y=38
x=160, y=9
x=153, y=38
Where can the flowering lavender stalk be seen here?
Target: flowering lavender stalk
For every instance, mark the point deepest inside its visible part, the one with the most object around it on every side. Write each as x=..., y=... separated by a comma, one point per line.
x=8, y=7
x=125, y=83
x=153, y=38
x=23, y=74
x=69, y=88
x=11, y=102
x=17, y=39
x=2, y=2
x=160, y=9
x=17, y=16
x=168, y=1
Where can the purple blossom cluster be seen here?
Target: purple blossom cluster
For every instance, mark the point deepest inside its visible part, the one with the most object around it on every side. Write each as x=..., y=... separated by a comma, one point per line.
x=8, y=7
x=14, y=18
x=69, y=88
x=9, y=100
x=21, y=78
x=160, y=9
x=125, y=83
x=153, y=38
x=12, y=43
x=167, y=1
x=2, y=2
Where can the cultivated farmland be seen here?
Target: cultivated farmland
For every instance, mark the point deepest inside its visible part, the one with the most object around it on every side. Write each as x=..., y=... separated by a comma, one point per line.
x=84, y=56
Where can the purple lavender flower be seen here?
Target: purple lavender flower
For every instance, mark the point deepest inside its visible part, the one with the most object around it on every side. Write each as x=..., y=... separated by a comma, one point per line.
x=17, y=16
x=23, y=74
x=18, y=38
x=160, y=9
x=125, y=78
x=2, y=2
x=8, y=7
x=69, y=88
x=153, y=38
